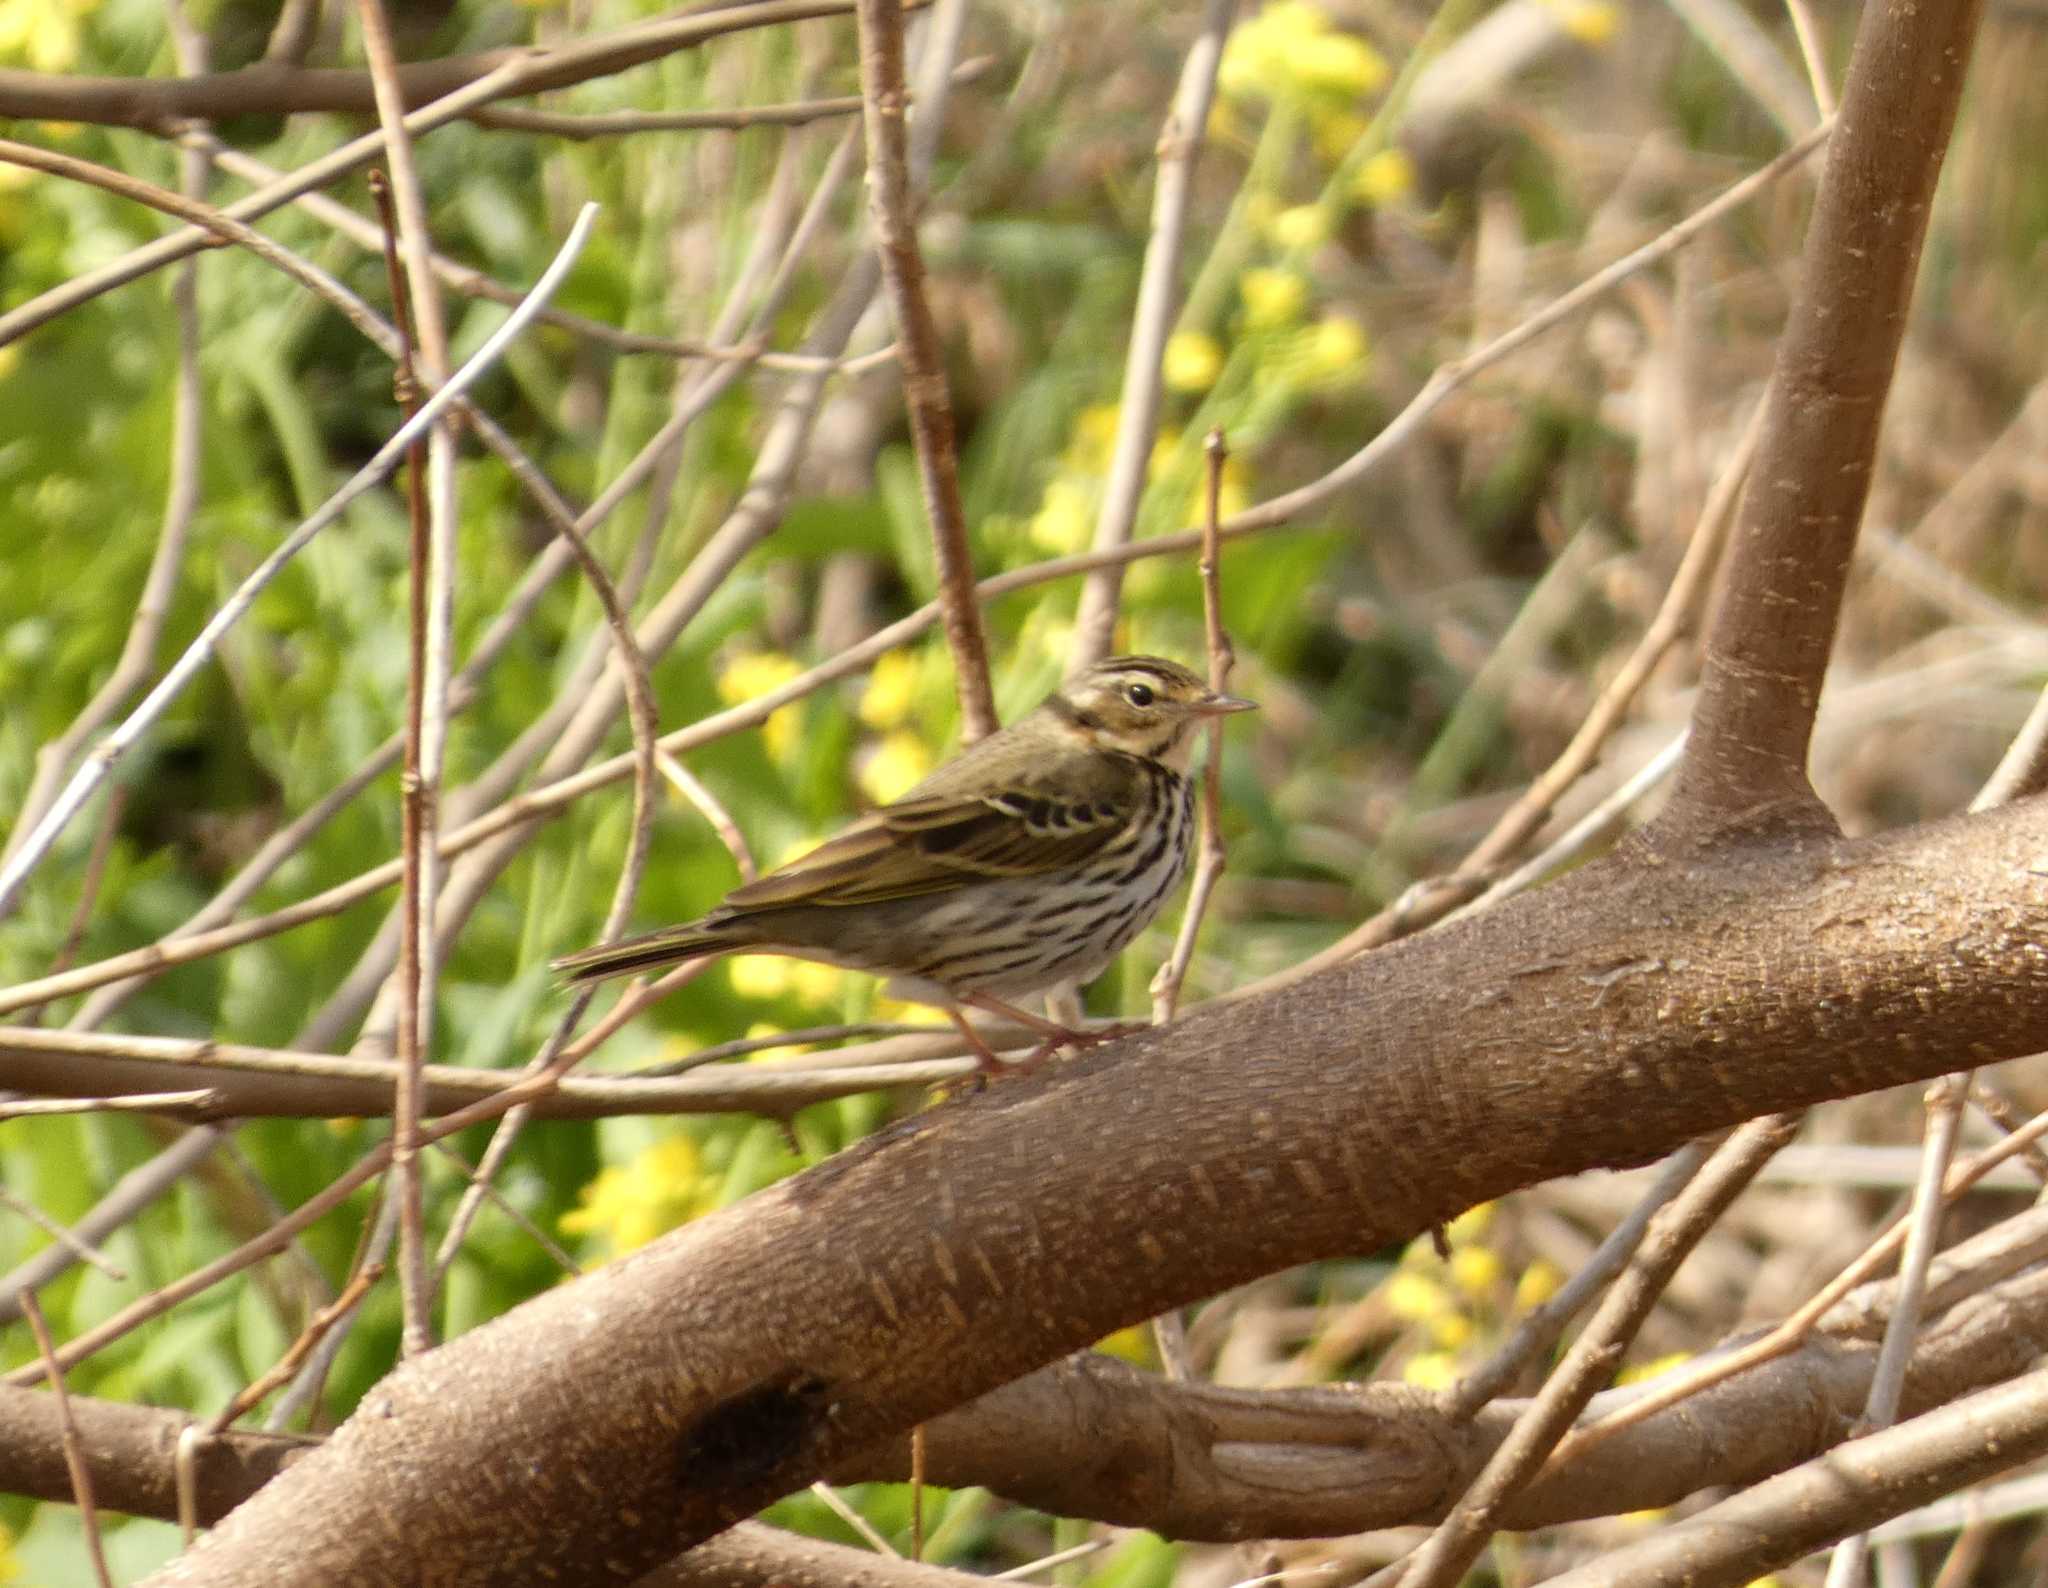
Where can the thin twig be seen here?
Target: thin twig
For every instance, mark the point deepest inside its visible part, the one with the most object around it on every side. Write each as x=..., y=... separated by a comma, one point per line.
x=74, y=1447
x=1807, y=29
x=1209, y=856
x=430, y=623
x=1677, y=616
x=686, y=783
x=893, y=207
x=253, y=1395
x=1683, y=1383
x=835, y=1502
x=125, y=1200
x=553, y=797
x=201, y=1100
x=917, y=1457
x=1152, y=320
x=100, y=763
x=68, y=1239
x=1848, y=1566
x=1538, y=1332
x=1456, y=1543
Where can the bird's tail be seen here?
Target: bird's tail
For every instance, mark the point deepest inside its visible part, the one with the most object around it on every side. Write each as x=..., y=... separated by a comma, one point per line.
x=671, y=945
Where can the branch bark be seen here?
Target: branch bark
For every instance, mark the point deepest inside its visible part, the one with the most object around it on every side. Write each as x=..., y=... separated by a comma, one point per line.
x=1768, y=648
x=1599, y=1022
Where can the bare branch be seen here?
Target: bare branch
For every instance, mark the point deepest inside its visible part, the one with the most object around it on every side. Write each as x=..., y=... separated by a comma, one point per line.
x=894, y=208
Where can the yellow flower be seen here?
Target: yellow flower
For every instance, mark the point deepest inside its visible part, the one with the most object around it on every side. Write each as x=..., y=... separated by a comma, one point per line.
x=1469, y=1225
x=1652, y=1368
x=816, y=984
x=1539, y=1282
x=894, y=767
x=1591, y=22
x=1133, y=1345
x=1475, y=1270
x=1290, y=50
x=760, y=976
x=1272, y=297
x=1300, y=226
x=768, y=1028
x=1451, y=1330
x=1337, y=132
x=1337, y=350
x=1192, y=362
x=1416, y=1296
x=1431, y=1370
x=1094, y=438
x=1384, y=178
x=1342, y=64
x=10, y=1567
x=653, y=1193
x=42, y=34
x=1063, y=522
x=891, y=691
x=753, y=674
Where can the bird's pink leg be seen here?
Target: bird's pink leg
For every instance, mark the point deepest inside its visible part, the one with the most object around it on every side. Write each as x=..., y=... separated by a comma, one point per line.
x=984, y=1055
x=1056, y=1035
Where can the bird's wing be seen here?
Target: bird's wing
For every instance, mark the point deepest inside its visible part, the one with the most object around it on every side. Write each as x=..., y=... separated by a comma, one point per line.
x=938, y=837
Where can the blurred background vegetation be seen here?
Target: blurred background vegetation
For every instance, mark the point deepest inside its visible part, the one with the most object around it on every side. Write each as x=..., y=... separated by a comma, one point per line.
x=1387, y=184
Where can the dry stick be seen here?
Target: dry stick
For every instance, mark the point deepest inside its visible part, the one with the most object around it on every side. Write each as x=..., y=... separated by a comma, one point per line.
x=1209, y=856
x=835, y=1502
x=519, y=71
x=917, y=1453
x=1807, y=30
x=686, y=783
x=1432, y=899
x=100, y=763
x=416, y=1327
x=505, y=1205
x=2017, y=770
x=552, y=797
x=1152, y=321
x=1684, y=1383
x=181, y=501
x=558, y=1057
x=466, y=279
x=430, y=562
x=1849, y=1565
x=159, y=105
x=574, y=545
x=1452, y=1548
x=88, y=886
x=129, y=1195
x=202, y=1100
x=1538, y=1332
x=639, y=691
x=68, y=1239
x=893, y=208
x=1852, y=1486
x=570, y=731
x=252, y=1396
x=74, y=1448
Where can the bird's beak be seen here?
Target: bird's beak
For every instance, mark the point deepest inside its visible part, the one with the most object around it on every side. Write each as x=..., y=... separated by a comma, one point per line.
x=1214, y=705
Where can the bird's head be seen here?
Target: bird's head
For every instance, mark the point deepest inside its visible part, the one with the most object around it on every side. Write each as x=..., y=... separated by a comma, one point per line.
x=1140, y=705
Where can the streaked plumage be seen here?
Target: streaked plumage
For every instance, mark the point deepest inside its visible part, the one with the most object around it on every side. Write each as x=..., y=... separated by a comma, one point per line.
x=1033, y=857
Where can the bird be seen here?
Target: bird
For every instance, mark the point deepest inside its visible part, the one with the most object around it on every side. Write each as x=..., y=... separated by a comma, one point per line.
x=1031, y=858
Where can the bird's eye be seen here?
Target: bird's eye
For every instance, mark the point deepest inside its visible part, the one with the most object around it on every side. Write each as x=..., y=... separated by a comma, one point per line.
x=1139, y=694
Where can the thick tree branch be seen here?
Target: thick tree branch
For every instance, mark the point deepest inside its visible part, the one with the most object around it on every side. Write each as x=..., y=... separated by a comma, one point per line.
x=1600, y=1021
x=1769, y=645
